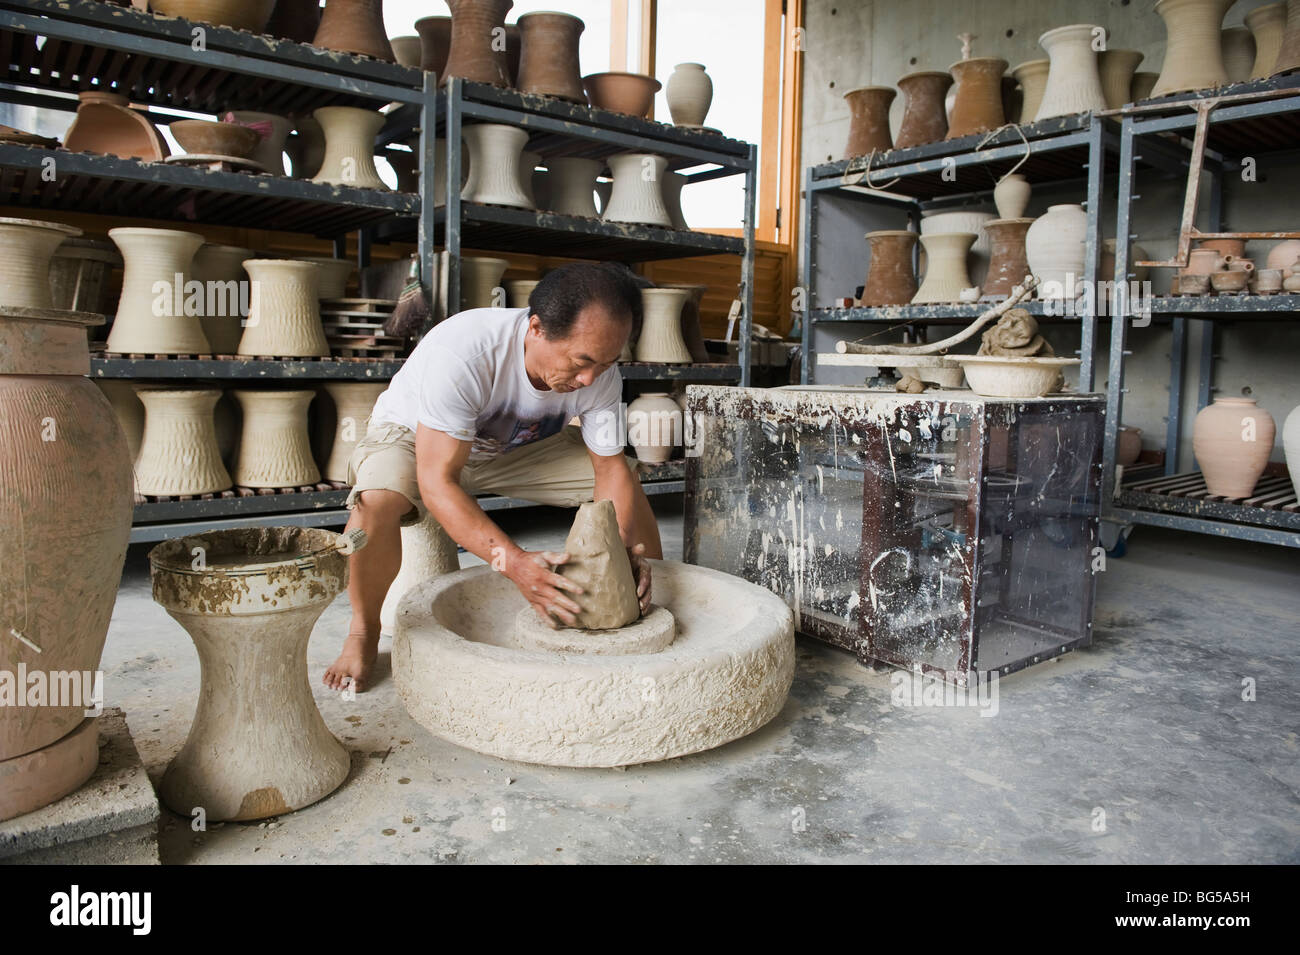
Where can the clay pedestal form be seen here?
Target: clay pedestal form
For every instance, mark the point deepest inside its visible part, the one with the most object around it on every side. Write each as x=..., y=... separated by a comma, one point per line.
x=868, y=120
x=274, y=130
x=274, y=447
x=637, y=196
x=1232, y=440
x=284, y=311
x=349, y=146
x=598, y=563
x=427, y=553
x=964, y=220
x=1117, y=68
x=1266, y=25
x=179, y=453
x=1291, y=445
x=147, y=321
x=1073, y=80
x=495, y=164
x=435, y=43
x=65, y=506
x=250, y=15
x=1238, y=53
x=106, y=124
x=691, y=333
x=1008, y=265
x=220, y=270
x=26, y=248
x=1054, y=246
x=518, y=292
x=473, y=54
x=258, y=746
x=295, y=20
x=1011, y=196
x=1193, y=48
x=945, y=273
x=548, y=62
x=354, y=26
x=1032, y=77
x=654, y=427
x=332, y=280
x=353, y=402
x=891, y=279
x=1143, y=84
x=573, y=185
x=977, y=107
x=307, y=149
x=672, y=193
x=407, y=50
x=480, y=277
x=925, y=120
x=661, y=327
x=690, y=94
x=1288, y=54
x=630, y=93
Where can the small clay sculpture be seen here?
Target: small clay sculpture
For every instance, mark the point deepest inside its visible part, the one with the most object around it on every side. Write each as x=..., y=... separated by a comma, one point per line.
x=1015, y=336
x=599, y=564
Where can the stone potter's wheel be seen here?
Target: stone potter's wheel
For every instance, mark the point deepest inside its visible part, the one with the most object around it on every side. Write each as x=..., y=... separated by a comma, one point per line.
x=474, y=665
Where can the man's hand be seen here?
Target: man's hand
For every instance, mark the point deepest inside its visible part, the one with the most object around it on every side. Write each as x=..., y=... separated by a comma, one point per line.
x=641, y=574
x=531, y=572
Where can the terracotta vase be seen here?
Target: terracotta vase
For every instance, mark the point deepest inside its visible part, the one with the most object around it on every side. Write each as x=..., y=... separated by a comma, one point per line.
x=274, y=446
x=127, y=409
x=106, y=124
x=573, y=185
x=548, y=62
x=1008, y=265
x=495, y=165
x=964, y=220
x=630, y=93
x=237, y=14
x=1129, y=446
x=220, y=269
x=26, y=248
x=435, y=43
x=1011, y=196
x=178, y=450
x=945, y=272
x=891, y=279
x=349, y=158
x=690, y=94
x=480, y=277
x=1054, y=246
x=1117, y=68
x=673, y=183
x=407, y=50
x=353, y=402
x=284, y=311
x=1288, y=53
x=1143, y=84
x=65, y=506
x=274, y=131
x=1232, y=440
x=295, y=20
x=924, y=118
x=637, y=196
x=661, y=327
x=691, y=332
x=1284, y=255
x=1238, y=48
x=1073, y=79
x=518, y=292
x=1291, y=445
x=1033, y=82
x=868, y=120
x=477, y=28
x=514, y=52
x=1266, y=25
x=354, y=26
x=149, y=321
x=1193, y=45
x=654, y=427
x=977, y=107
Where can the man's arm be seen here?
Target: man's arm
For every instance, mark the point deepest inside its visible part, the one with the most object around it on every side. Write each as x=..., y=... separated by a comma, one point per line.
x=636, y=522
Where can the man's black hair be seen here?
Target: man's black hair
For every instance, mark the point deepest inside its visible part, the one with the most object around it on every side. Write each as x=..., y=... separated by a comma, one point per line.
x=564, y=292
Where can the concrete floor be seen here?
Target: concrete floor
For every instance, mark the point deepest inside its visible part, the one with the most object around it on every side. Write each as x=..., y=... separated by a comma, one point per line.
x=1138, y=749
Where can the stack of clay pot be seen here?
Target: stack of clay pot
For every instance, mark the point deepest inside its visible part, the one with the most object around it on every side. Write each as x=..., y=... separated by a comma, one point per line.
x=1215, y=265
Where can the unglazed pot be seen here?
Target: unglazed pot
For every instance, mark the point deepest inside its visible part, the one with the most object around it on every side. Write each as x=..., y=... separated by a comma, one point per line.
x=637, y=196
x=1073, y=80
x=149, y=321
x=406, y=50
x=661, y=327
x=1008, y=265
x=1054, y=246
x=295, y=20
x=977, y=107
x=691, y=332
x=891, y=279
x=1033, y=82
x=1288, y=54
x=476, y=53
x=573, y=185
x=528, y=163
x=249, y=15
x=349, y=147
x=1117, y=68
x=548, y=61
x=654, y=427
x=178, y=450
x=1011, y=196
x=354, y=26
x=963, y=220
x=220, y=269
x=629, y=93
x=332, y=281
x=26, y=248
x=925, y=120
x=1238, y=53
x=215, y=139
x=518, y=291
x=673, y=183
x=1193, y=46
x=1129, y=445
x=480, y=277
x=284, y=313
x=65, y=506
x=274, y=446
x=1266, y=25
x=1291, y=445
x=945, y=273
x=106, y=124
x=435, y=43
x=1232, y=440
x=353, y=402
x=307, y=149
x=1284, y=255
x=274, y=130
x=690, y=94
x=495, y=165
x=1143, y=84
x=868, y=120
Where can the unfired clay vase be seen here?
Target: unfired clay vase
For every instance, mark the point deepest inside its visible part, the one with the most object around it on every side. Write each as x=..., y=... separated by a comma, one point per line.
x=435, y=43
x=518, y=292
x=1129, y=445
x=977, y=106
x=661, y=327
x=1266, y=25
x=868, y=120
x=598, y=563
x=1193, y=46
x=513, y=52
x=963, y=220
x=1011, y=196
x=945, y=273
x=691, y=333
x=274, y=446
x=26, y=248
x=178, y=451
x=638, y=190
x=1143, y=84
x=353, y=402
x=1054, y=246
x=548, y=62
x=1073, y=80
x=480, y=277
x=1291, y=445
x=925, y=120
x=237, y=14
x=81, y=275
x=406, y=50
x=147, y=321
x=630, y=93
x=672, y=193
x=477, y=28
x=274, y=130
x=354, y=26
x=1008, y=265
x=573, y=185
x=654, y=427
x=891, y=279
x=106, y=124
x=690, y=94
x=1284, y=255
x=295, y=20
x=258, y=746
x=1238, y=53
x=1231, y=449
x=1033, y=81
x=222, y=264
x=1117, y=68
x=349, y=146
x=494, y=166
x=332, y=280
x=284, y=311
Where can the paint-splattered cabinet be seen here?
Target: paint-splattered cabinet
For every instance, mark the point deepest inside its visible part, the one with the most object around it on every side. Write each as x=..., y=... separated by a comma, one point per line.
x=944, y=531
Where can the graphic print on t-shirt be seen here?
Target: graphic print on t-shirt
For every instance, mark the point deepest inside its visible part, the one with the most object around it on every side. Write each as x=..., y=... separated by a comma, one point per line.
x=503, y=430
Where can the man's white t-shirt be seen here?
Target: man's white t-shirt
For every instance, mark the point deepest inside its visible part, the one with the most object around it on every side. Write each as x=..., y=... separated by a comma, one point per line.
x=467, y=378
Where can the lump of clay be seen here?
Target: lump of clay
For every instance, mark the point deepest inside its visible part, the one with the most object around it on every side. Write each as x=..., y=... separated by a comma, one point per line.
x=598, y=563
x=1015, y=336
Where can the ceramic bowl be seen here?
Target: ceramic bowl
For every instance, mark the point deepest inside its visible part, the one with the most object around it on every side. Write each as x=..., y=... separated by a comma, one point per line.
x=995, y=377
x=206, y=138
x=1231, y=281
x=631, y=93
x=236, y=14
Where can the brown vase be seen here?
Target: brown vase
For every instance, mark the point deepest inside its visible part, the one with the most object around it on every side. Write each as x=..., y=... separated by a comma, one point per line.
x=869, y=120
x=978, y=105
x=106, y=124
x=472, y=55
x=630, y=93
x=295, y=20
x=237, y=15
x=435, y=43
x=514, y=50
x=354, y=26
x=891, y=279
x=548, y=61
x=925, y=120
x=1008, y=265
x=1288, y=56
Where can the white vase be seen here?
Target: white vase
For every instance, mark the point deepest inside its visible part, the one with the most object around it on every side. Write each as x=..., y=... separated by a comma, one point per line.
x=946, y=276
x=638, y=195
x=977, y=261
x=1291, y=445
x=349, y=147
x=26, y=247
x=518, y=291
x=495, y=161
x=220, y=268
x=353, y=402
x=1238, y=53
x=1073, y=80
x=1054, y=246
x=1032, y=77
x=1267, y=24
x=480, y=277
x=284, y=311
x=690, y=93
x=654, y=427
x=1193, y=46
x=149, y=321
x=1011, y=196
x=673, y=182
x=178, y=451
x=573, y=185
x=1117, y=68
x=661, y=327
x=274, y=446
x=332, y=281
x=274, y=131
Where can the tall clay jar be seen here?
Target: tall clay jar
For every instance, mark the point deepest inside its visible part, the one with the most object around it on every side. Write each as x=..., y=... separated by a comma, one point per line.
x=435, y=43
x=1117, y=68
x=496, y=165
x=925, y=120
x=1054, y=246
x=1193, y=47
x=354, y=26
x=65, y=510
x=474, y=53
x=1008, y=265
x=26, y=247
x=548, y=59
x=868, y=120
x=274, y=445
x=1232, y=440
x=1288, y=54
x=1073, y=80
x=1266, y=25
x=353, y=402
x=690, y=94
x=1238, y=53
x=977, y=107
x=661, y=326
x=284, y=311
x=220, y=269
x=891, y=279
x=349, y=147
x=946, y=276
x=573, y=185
x=150, y=321
x=1032, y=77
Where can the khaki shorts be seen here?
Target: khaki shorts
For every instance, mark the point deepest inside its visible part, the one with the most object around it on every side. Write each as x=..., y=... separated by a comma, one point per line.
x=555, y=470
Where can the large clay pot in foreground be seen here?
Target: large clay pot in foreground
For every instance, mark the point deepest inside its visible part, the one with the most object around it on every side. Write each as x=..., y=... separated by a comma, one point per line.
x=1054, y=246
x=349, y=158
x=295, y=20
x=1232, y=440
x=891, y=279
x=1266, y=25
x=1073, y=80
x=495, y=165
x=354, y=26
x=661, y=326
x=1117, y=68
x=236, y=14
x=106, y=124
x=925, y=120
x=868, y=120
x=179, y=453
x=977, y=107
x=148, y=321
x=26, y=248
x=435, y=43
x=945, y=272
x=690, y=94
x=548, y=62
x=274, y=444
x=1193, y=48
x=1008, y=265
x=284, y=311
x=473, y=53
x=638, y=190
x=1032, y=77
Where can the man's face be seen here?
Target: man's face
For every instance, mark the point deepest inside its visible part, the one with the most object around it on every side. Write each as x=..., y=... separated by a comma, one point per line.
x=592, y=345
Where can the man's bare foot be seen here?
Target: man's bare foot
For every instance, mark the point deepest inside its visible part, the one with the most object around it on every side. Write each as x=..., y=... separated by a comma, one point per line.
x=354, y=664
